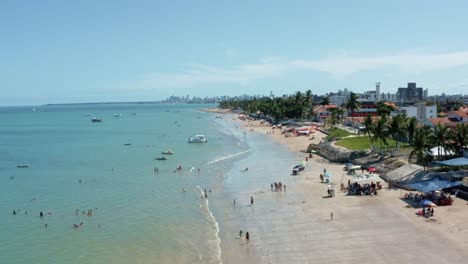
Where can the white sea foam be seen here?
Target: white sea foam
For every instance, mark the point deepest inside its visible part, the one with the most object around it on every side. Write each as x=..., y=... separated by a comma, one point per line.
x=228, y=157
x=215, y=224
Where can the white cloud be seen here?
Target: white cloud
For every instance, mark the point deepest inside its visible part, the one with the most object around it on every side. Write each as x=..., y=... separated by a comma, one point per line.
x=338, y=66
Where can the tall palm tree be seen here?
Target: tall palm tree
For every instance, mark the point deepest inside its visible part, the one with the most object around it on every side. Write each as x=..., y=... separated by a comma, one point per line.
x=460, y=136
x=411, y=128
x=325, y=101
x=368, y=127
x=396, y=128
x=440, y=137
x=335, y=113
x=383, y=109
x=421, y=145
x=352, y=105
x=308, y=97
x=380, y=132
x=299, y=104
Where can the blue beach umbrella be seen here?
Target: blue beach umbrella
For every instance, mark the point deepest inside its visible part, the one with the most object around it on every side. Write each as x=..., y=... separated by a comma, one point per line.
x=328, y=175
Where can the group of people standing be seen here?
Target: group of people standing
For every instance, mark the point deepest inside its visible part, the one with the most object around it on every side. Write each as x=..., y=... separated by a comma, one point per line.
x=247, y=235
x=277, y=186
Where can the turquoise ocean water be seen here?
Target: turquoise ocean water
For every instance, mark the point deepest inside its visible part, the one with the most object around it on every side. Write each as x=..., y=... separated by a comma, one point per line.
x=139, y=216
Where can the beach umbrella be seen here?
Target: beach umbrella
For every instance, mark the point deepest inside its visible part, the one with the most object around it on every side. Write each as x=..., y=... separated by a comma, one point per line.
x=328, y=175
x=371, y=169
x=312, y=151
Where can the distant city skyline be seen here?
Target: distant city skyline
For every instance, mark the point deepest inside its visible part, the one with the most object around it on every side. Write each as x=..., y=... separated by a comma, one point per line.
x=120, y=51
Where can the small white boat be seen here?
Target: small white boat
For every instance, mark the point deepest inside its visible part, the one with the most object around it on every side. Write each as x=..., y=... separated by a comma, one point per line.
x=88, y=114
x=197, y=139
x=117, y=115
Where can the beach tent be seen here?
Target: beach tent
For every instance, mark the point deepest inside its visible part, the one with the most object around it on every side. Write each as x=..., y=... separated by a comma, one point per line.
x=454, y=162
x=443, y=152
x=433, y=185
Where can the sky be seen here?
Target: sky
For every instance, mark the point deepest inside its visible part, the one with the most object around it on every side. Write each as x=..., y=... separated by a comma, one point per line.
x=101, y=51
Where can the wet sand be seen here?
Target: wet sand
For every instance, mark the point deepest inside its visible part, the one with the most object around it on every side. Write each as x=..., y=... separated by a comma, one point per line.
x=295, y=226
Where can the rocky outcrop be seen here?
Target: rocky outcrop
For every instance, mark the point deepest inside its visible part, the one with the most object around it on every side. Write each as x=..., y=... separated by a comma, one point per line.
x=335, y=154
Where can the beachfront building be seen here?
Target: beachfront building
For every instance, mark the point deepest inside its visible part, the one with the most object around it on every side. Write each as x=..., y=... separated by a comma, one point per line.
x=368, y=107
x=421, y=111
x=323, y=112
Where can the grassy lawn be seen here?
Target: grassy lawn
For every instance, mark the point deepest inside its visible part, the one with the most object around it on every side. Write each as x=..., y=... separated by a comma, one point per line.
x=361, y=143
x=337, y=133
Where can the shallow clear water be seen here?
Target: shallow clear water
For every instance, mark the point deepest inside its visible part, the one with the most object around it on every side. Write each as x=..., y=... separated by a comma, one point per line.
x=141, y=216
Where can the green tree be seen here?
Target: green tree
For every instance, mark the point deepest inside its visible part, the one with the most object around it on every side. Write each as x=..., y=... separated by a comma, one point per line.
x=384, y=109
x=308, y=103
x=440, y=136
x=421, y=145
x=335, y=115
x=397, y=128
x=380, y=132
x=460, y=137
x=411, y=126
x=352, y=105
x=369, y=127
x=325, y=101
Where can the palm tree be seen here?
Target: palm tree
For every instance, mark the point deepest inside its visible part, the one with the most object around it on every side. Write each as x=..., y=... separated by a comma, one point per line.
x=411, y=128
x=335, y=113
x=421, y=145
x=396, y=128
x=381, y=132
x=308, y=103
x=460, y=136
x=440, y=136
x=368, y=127
x=299, y=103
x=325, y=101
x=383, y=109
x=352, y=105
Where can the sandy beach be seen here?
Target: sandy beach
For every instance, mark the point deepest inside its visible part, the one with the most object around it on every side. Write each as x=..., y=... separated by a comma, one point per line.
x=364, y=229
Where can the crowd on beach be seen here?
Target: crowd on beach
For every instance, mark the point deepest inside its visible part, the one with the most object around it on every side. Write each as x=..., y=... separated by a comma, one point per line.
x=277, y=187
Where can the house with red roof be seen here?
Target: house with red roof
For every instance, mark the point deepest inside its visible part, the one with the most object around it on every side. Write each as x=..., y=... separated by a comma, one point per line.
x=323, y=112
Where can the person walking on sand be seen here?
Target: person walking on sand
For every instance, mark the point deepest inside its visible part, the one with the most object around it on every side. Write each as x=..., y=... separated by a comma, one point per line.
x=251, y=201
x=324, y=171
x=234, y=202
x=271, y=185
x=331, y=216
x=247, y=237
x=284, y=187
x=240, y=233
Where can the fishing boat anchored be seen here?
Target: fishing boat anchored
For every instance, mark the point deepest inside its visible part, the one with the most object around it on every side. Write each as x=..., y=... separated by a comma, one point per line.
x=197, y=139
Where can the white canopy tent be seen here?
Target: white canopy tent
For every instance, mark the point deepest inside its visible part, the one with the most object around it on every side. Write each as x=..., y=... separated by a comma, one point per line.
x=443, y=152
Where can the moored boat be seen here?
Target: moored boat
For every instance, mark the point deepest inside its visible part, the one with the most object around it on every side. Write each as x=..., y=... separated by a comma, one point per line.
x=197, y=139
x=96, y=120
